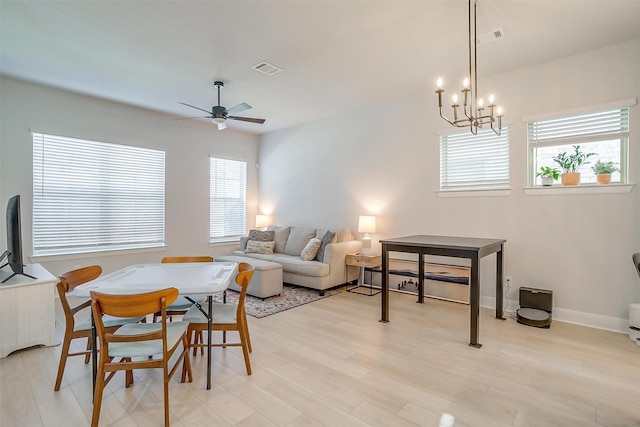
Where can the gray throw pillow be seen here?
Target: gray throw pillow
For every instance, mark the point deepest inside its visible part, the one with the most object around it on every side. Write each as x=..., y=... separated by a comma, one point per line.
x=298, y=239
x=281, y=234
x=326, y=239
x=261, y=235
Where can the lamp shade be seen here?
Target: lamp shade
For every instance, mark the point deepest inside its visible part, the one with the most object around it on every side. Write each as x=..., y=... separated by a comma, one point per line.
x=367, y=224
x=262, y=220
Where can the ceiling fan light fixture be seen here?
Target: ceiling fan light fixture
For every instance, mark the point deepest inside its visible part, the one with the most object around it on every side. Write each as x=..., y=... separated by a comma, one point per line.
x=218, y=120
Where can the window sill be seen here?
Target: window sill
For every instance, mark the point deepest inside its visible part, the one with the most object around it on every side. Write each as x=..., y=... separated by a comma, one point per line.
x=225, y=242
x=474, y=193
x=93, y=254
x=579, y=189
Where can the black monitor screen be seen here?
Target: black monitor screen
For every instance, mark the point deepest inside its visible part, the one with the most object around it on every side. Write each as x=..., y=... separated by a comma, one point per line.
x=14, y=235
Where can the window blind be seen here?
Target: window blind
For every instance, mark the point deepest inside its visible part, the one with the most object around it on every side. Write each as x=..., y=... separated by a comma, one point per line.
x=580, y=129
x=227, y=201
x=95, y=196
x=605, y=133
x=471, y=162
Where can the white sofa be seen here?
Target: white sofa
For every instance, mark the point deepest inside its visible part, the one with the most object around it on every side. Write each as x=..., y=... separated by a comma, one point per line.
x=325, y=271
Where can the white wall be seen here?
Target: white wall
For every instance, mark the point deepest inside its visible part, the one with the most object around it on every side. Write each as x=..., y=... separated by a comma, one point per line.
x=188, y=145
x=384, y=160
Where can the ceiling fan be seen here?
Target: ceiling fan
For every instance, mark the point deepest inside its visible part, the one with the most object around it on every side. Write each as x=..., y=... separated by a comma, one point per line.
x=220, y=114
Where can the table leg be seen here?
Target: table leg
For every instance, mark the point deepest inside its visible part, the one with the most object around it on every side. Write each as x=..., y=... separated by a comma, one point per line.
x=209, y=320
x=499, y=284
x=94, y=353
x=385, y=285
x=420, y=278
x=474, y=296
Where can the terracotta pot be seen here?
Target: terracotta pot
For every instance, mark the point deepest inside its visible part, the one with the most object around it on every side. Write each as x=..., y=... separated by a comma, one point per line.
x=571, y=178
x=603, y=178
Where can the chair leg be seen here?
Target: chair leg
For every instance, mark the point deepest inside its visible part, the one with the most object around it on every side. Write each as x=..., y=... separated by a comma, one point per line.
x=246, y=331
x=195, y=337
x=87, y=356
x=128, y=374
x=166, y=393
x=186, y=362
x=245, y=348
x=66, y=343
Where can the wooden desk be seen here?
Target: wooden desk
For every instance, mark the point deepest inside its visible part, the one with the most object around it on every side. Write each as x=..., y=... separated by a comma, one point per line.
x=27, y=309
x=191, y=279
x=458, y=247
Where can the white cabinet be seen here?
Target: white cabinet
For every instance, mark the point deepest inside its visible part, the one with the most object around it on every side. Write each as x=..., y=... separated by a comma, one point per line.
x=27, y=309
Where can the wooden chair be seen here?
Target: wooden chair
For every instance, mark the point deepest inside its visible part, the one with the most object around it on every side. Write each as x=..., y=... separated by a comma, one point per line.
x=226, y=317
x=181, y=305
x=119, y=348
x=75, y=328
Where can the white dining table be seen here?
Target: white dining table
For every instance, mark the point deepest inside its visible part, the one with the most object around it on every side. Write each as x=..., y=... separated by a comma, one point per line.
x=193, y=280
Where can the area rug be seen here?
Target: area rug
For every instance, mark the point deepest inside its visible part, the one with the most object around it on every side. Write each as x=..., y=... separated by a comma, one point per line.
x=291, y=297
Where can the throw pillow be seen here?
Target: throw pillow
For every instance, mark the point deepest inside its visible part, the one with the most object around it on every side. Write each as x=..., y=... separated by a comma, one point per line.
x=261, y=235
x=310, y=250
x=256, y=247
x=298, y=239
x=281, y=234
x=328, y=237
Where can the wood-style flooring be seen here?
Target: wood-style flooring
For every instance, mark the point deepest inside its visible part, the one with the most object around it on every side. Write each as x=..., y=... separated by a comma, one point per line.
x=332, y=363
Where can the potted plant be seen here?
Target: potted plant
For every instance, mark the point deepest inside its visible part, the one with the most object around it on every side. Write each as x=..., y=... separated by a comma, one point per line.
x=570, y=163
x=603, y=171
x=547, y=175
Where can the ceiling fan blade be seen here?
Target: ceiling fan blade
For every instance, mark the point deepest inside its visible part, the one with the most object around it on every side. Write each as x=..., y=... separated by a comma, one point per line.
x=197, y=108
x=198, y=117
x=246, y=119
x=240, y=107
x=221, y=126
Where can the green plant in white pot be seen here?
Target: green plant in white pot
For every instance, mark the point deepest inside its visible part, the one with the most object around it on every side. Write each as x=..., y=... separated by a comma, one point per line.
x=603, y=171
x=547, y=175
x=570, y=163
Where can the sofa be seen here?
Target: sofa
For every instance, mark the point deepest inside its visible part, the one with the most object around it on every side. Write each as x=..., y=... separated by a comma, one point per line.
x=310, y=257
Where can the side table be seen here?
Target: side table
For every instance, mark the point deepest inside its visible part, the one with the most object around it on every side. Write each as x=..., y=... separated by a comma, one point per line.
x=363, y=260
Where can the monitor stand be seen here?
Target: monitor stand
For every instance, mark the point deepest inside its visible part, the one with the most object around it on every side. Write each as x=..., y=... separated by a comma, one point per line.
x=14, y=274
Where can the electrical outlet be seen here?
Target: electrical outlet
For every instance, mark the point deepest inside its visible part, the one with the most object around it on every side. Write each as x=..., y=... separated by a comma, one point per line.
x=508, y=281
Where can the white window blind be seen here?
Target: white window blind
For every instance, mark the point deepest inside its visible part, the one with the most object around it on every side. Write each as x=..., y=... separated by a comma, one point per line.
x=474, y=162
x=604, y=133
x=95, y=196
x=227, y=200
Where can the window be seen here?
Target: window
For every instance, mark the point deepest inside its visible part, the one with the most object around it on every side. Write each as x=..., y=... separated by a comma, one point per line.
x=474, y=162
x=604, y=132
x=227, y=199
x=94, y=196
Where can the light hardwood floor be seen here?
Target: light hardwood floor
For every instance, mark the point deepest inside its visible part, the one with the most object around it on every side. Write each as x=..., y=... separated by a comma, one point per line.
x=332, y=363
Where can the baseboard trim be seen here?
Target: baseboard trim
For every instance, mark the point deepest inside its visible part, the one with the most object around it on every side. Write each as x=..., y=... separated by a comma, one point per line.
x=590, y=320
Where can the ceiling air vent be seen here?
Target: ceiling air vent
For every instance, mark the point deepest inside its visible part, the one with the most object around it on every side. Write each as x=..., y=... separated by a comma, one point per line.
x=266, y=68
x=490, y=36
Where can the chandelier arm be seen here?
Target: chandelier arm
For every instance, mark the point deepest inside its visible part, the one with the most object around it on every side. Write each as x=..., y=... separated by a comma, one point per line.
x=442, y=115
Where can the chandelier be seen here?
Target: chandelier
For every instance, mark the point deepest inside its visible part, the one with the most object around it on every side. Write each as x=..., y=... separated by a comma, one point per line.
x=475, y=114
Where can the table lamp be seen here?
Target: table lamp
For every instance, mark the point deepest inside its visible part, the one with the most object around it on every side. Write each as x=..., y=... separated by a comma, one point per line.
x=262, y=221
x=366, y=225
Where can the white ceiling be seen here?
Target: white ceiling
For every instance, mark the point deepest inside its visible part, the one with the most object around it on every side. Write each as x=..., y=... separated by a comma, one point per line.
x=336, y=56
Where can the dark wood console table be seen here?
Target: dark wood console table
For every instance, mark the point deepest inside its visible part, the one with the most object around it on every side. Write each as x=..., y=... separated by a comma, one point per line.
x=458, y=247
